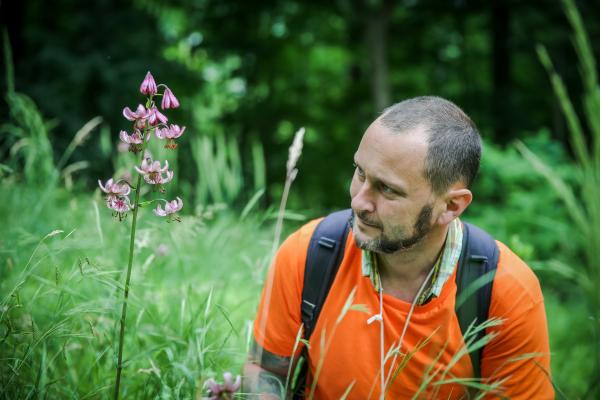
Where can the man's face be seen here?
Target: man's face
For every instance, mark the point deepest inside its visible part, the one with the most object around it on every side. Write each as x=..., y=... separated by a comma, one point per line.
x=392, y=202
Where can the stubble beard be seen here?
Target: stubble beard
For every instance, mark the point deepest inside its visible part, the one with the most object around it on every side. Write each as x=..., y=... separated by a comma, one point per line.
x=397, y=240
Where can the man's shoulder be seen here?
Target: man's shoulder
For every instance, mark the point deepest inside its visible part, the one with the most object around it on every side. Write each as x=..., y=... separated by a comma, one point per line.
x=301, y=236
x=512, y=270
x=296, y=244
x=515, y=281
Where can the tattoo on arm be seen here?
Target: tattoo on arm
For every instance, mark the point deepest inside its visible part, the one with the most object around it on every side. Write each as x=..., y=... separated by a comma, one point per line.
x=265, y=373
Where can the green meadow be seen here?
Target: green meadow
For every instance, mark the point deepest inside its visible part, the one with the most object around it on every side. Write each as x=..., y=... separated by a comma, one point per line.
x=244, y=91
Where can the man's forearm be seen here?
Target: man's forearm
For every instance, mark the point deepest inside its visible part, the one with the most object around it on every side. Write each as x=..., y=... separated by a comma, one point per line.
x=265, y=374
x=262, y=384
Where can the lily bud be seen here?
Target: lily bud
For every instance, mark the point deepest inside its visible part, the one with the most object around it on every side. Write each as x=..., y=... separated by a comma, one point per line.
x=169, y=100
x=148, y=86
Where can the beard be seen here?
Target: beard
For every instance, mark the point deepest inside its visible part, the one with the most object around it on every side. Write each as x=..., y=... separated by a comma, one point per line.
x=397, y=239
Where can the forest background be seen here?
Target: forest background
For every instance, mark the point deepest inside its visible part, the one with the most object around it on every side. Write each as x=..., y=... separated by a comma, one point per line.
x=248, y=75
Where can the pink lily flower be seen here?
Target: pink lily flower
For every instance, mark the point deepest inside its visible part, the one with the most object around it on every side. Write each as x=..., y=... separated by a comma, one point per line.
x=153, y=172
x=114, y=189
x=226, y=390
x=229, y=385
x=214, y=389
x=156, y=117
x=135, y=137
x=134, y=140
x=171, y=207
x=148, y=86
x=116, y=197
x=139, y=114
x=170, y=133
x=169, y=100
x=120, y=205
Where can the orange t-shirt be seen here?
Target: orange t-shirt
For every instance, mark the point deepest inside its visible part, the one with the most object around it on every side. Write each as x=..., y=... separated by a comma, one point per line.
x=345, y=349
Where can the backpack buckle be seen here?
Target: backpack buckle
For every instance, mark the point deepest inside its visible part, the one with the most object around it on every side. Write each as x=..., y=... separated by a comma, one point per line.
x=478, y=258
x=327, y=242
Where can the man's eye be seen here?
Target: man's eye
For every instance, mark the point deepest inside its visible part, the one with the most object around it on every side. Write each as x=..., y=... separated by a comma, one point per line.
x=359, y=171
x=387, y=190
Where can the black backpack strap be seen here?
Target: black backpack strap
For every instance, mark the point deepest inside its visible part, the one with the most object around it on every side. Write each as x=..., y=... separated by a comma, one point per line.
x=474, y=278
x=323, y=258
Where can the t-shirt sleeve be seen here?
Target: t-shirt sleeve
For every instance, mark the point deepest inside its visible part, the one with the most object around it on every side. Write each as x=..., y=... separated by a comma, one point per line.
x=519, y=356
x=278, y=319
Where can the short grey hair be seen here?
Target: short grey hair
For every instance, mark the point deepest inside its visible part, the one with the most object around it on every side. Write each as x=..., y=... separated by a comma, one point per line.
x=454, y=144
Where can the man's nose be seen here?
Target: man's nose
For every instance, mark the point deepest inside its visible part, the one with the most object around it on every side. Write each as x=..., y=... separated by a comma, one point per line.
x=363, y=199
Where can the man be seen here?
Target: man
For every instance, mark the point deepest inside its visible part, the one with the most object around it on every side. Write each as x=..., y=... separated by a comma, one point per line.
x=413, y=170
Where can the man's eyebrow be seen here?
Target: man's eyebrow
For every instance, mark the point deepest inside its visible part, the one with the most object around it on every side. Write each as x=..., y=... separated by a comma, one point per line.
x=398, y=188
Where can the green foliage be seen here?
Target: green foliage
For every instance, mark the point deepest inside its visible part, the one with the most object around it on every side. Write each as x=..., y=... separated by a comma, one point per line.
x=570, y=333
x=580, y=201
x=219, y=169
x=517, y=205
x=287, y=62
x=245, y=88
x=28, y=143
x=59, y=309
x=32, y=145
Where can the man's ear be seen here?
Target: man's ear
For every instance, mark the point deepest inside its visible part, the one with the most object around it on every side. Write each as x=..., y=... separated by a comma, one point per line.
x=455, y=202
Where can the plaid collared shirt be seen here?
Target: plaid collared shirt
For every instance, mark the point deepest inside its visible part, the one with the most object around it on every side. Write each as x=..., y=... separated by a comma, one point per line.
x=442, y=269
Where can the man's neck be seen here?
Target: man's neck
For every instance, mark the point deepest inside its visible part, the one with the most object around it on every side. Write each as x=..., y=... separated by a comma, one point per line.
x=403, y=272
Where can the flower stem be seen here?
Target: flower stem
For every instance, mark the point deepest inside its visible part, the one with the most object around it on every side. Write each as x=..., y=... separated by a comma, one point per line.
x=126, y=292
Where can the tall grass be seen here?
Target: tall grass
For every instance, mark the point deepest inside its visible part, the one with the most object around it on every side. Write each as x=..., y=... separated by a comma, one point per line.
x=219, y=169
x=582, y=202
x=189, y=315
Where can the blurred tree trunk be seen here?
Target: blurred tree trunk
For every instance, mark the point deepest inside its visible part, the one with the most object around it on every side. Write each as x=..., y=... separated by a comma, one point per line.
x=376, y=42
x=501, y=110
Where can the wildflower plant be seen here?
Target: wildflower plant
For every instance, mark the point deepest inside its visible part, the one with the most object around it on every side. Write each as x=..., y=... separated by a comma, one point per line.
x=222, y=391
x=146, y=120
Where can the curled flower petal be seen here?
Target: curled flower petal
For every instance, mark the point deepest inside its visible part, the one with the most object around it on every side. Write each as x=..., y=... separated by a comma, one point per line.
x=171, y=207
x=162, y=133
x=237, y=384
x=167, y=178
x=176, y=205
x=175, y=131
x=165, y=168
x=128, y=114
x=124, y=136
x=114, y=189
x=134, y=138
x=141, y=113
x=214, y=389
x=153, y=173
x=228, y=385
x=148, y=86
x=169, y=100
x=159, y=211
x=156, y=117
x=170, y=133
x=108, y=184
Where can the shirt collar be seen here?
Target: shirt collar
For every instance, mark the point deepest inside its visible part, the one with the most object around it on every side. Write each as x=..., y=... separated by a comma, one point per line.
x=443, y=267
